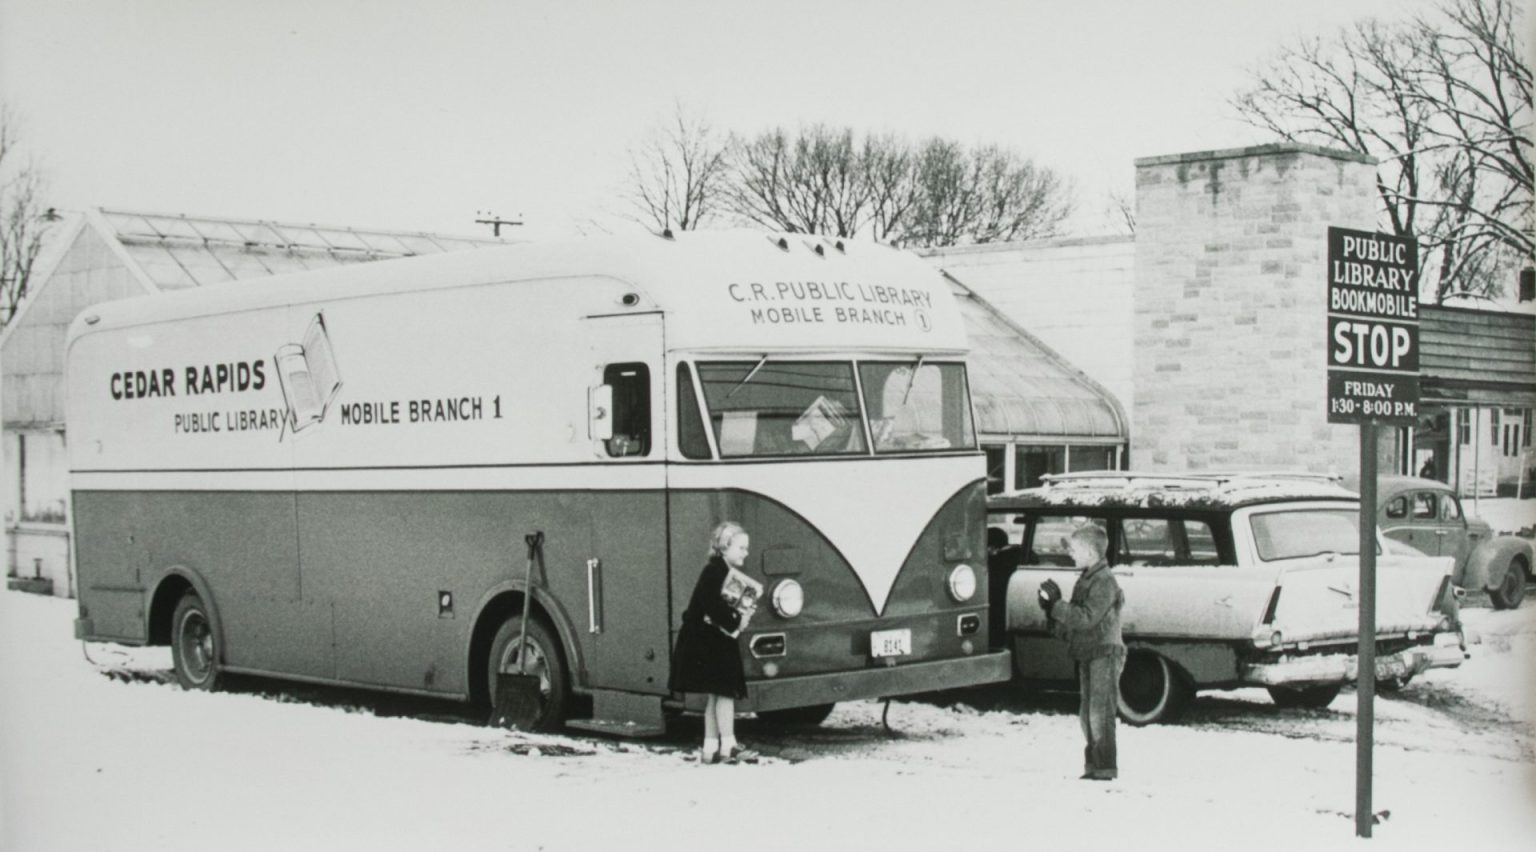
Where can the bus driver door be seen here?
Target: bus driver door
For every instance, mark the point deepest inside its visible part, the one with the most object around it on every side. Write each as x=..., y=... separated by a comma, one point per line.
x=623, y=623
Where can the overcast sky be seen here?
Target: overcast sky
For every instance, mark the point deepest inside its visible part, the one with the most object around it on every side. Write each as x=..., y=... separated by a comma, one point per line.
x=414, y=116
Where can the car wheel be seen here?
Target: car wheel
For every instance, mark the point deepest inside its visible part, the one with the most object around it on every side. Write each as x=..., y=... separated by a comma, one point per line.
x=797, y=717
x=1310, y=697
x=1151, y=690
x=1393, y=684
x=544, y=662
x=1512, y=590
x=195, y=651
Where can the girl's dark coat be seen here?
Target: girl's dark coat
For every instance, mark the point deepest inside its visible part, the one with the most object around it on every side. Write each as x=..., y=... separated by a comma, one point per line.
x=706, y=660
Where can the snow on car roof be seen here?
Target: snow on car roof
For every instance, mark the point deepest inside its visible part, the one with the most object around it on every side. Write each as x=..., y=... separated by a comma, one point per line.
x=1189, y=491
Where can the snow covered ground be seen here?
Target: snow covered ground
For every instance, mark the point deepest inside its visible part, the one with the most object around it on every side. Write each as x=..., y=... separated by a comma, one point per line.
x=114, y=758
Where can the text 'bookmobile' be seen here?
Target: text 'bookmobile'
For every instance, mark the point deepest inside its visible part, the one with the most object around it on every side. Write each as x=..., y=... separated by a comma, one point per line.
x=330, y=476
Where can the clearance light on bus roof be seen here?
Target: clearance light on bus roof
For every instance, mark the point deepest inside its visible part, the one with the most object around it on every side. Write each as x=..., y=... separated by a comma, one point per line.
x=962, y=583
x=788, y=598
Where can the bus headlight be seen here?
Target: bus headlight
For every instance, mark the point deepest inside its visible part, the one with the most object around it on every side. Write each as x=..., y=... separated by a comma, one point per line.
x=962, y=583
x=788, y=599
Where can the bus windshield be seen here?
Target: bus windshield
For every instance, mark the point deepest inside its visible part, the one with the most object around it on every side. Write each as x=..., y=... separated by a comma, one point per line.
x=916, y=407
x=782, y=408
x=802, y=408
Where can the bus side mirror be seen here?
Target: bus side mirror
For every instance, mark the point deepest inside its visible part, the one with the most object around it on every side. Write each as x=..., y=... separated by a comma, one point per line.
x=600, y=412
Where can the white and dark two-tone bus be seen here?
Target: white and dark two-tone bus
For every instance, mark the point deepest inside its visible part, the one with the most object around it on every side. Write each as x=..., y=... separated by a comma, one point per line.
x=330, y=476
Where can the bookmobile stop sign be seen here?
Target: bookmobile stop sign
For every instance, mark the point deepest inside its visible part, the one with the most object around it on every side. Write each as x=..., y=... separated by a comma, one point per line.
x=1373, y=379
x=1373, y=328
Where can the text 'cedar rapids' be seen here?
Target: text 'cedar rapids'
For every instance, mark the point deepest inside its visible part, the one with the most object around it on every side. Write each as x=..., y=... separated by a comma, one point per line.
x=206, y=379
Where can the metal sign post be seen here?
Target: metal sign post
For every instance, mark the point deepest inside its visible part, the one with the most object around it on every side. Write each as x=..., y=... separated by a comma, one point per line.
x=1365, y=685
x=1373, y=380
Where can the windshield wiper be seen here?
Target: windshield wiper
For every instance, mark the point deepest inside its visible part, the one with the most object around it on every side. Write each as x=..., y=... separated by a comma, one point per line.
x=912, y=381
x=747, y=377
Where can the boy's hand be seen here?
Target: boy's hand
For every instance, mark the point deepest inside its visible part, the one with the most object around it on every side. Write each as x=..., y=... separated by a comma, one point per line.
x=1050, y=593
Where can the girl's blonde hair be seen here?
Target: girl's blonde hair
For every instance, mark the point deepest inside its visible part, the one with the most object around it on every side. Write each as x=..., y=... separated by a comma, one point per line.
x=720, y=539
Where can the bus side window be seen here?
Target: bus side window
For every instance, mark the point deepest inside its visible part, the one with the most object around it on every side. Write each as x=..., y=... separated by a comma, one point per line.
x=691, y=438
x=631, y=385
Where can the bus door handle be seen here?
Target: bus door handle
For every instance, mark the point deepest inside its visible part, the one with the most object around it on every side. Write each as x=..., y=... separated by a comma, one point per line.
x=594, y=595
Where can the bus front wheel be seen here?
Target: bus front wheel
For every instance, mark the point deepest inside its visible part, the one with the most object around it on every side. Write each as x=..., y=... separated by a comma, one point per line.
x=195, y=650
x=544, y=662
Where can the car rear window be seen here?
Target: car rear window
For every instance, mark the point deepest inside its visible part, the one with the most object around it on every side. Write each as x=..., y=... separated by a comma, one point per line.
x=1300, y=533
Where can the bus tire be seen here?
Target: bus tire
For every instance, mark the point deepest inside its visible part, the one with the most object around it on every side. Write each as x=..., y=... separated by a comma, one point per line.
x=1151, y=690
x=545, y=660
x=195, y=651
x=797, y=717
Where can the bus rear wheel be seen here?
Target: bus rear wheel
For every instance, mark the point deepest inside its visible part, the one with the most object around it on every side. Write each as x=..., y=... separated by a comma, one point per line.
x=195, y=650
x=545, y=662
x=797, y=717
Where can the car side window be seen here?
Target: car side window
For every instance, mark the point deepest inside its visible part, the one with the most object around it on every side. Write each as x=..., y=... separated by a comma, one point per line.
x=1200, y=543
x=1398, y=508
x=1424, y=507
x=1165, y=541
x=1450, y=508
x=1144, y=541
x=1046, y=538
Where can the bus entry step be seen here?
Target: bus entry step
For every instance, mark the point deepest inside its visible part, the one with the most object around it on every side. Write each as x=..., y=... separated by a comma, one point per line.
x=623, y=714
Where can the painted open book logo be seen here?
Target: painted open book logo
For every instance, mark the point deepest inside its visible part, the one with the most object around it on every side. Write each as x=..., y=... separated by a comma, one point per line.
x=308, y=375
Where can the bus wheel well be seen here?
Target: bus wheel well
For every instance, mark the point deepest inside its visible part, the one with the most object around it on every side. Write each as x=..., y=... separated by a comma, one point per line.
x=502, y=607
x=163, y=605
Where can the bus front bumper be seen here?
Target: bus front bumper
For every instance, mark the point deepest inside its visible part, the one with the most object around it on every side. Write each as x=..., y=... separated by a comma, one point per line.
x=882, y=682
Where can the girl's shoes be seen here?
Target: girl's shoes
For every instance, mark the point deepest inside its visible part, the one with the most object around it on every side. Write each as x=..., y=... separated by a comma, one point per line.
x=708, y=757
x=738, y=754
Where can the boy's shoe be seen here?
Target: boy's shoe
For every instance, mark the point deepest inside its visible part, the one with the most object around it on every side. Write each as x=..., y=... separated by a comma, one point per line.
x=1101, y=775
x=741, y=755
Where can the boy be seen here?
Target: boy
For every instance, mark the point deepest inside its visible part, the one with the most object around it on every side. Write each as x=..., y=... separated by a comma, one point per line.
x=1090, y=624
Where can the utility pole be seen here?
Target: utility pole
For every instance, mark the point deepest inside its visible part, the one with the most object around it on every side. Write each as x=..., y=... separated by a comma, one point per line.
x=489, y=218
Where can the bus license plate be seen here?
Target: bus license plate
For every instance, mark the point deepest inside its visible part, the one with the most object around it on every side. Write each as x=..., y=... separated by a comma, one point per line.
x=890, y=643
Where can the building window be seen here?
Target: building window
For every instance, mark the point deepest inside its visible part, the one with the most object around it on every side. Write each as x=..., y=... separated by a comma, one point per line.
x=1031, y=463
x=42, y=478
x=1514, y=424
x=1090, y=458
x=1526, y=421
x=997, y=460
x=1464, y=427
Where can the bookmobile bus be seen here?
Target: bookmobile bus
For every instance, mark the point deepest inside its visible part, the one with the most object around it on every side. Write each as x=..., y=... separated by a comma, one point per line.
x=330, y=476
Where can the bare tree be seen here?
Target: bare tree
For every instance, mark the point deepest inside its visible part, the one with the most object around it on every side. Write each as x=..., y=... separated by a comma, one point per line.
x=891, y=177
x=810, y=183
x=1443, y=103
x=675, y=176
x=22, y=219
x=1121, y=209
x=823, y=181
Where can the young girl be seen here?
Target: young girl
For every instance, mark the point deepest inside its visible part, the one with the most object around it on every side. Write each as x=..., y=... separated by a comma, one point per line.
x=706, y=659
